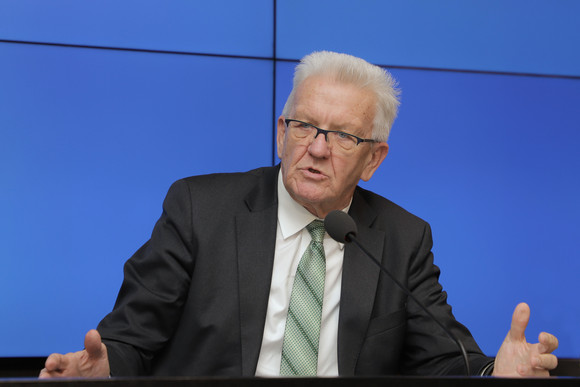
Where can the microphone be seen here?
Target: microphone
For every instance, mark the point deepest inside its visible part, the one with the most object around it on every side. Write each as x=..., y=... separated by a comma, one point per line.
x=342, y=228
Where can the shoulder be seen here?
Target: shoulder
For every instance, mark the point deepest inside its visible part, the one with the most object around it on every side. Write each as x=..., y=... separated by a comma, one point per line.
x=225, y=183
x=228, y=190
x=386, y=215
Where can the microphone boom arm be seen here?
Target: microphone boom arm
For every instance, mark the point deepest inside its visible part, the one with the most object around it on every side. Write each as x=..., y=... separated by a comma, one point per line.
x=350, y=237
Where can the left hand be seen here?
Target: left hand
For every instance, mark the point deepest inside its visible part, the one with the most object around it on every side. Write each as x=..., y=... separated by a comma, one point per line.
x=518, y=358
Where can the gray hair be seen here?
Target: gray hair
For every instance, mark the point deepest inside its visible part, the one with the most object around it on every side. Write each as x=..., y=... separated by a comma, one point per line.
x=350, y=69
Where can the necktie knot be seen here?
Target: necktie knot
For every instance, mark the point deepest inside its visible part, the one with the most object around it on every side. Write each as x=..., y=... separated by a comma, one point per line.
x=316, y=230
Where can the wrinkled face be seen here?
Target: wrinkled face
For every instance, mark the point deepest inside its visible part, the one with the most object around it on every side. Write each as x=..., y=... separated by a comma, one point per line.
x=318, y=175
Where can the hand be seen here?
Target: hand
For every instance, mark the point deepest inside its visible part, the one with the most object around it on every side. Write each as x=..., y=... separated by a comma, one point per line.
x=518, y=358
x=91, y=362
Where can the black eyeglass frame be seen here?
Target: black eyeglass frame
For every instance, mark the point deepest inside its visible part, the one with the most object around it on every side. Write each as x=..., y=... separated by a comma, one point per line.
x=325, y=132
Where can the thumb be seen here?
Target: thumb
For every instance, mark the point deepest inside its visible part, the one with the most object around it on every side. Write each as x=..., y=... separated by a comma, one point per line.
x=520, y=320
x=93, y=344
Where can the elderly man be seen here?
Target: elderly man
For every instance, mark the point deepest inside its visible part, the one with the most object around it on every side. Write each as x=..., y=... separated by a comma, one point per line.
x=239, y=277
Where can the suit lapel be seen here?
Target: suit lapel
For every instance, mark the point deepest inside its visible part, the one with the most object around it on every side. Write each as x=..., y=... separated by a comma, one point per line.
x=359, y=284
x=256, y=241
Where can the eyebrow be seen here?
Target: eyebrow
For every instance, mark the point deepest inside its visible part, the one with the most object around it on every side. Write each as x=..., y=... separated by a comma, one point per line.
x=340, y=128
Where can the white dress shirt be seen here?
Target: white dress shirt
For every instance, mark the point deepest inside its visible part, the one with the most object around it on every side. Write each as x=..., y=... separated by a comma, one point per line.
x=292, y=238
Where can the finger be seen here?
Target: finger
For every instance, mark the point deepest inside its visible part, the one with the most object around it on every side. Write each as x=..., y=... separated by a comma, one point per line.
x=93, y=344
x=546, y=362
x=45, y=374
x=526, y=371
x=55, y=362
x=548, y=343
x=520, y=320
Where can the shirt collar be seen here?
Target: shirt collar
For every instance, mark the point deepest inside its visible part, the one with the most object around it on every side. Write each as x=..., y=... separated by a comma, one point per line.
x=292, y=217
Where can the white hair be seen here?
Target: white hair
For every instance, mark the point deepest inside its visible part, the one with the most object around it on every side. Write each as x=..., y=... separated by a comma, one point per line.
x=350, y=69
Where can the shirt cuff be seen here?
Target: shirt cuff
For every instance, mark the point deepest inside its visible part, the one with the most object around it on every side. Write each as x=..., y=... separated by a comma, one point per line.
x=487, y=370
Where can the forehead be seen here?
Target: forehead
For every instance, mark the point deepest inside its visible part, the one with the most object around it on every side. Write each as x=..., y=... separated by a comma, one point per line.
x=333, y=103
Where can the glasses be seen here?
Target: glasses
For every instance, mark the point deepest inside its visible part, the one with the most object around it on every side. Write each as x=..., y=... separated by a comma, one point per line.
x=303, y=131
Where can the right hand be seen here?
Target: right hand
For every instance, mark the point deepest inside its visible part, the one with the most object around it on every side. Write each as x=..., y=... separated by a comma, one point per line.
x=91, y=362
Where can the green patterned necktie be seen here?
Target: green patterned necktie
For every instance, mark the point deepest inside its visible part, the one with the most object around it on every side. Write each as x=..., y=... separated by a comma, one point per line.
x=300, y=349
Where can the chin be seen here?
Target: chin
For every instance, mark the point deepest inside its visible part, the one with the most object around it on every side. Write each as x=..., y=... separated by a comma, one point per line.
x=310, y=192
x=308, y=198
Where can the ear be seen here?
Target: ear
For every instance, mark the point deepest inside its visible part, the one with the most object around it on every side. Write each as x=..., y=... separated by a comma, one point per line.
x=281, y=133
x=378, y=153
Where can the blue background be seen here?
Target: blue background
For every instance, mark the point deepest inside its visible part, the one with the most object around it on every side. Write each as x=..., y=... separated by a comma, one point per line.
x=104, y=103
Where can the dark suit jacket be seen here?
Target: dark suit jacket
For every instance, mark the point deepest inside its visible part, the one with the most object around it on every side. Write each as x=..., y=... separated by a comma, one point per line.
x=194, y=297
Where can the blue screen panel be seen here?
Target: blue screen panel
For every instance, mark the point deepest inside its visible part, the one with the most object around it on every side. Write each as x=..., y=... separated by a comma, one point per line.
x=90, y=142
x=214, y=27
x=538, y=36
x=490, y=161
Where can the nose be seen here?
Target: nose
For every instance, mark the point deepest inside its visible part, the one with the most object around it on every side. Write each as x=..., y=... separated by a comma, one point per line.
x=319, y=146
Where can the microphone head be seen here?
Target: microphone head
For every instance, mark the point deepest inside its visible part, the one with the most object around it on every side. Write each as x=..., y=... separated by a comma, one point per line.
x=339, y=225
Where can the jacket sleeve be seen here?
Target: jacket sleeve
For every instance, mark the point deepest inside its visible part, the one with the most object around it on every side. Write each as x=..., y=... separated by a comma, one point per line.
x=428, y=350
x=154, y=289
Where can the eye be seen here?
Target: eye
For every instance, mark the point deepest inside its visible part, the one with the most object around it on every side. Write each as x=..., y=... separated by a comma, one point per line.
x=345, y=137
x=345, y=140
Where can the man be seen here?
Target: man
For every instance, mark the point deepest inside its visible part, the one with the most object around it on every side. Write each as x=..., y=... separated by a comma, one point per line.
x=219, y=287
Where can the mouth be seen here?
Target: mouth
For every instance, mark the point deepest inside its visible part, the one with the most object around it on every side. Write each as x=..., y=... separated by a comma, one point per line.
x=313, y=173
